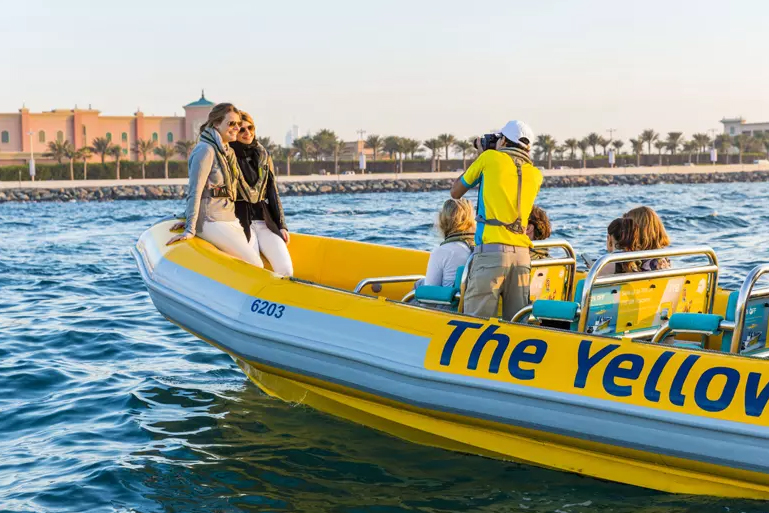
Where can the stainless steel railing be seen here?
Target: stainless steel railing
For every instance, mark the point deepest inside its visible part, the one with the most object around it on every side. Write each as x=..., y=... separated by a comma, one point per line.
x=381, y=280
x=744, y=296
x=593, y=279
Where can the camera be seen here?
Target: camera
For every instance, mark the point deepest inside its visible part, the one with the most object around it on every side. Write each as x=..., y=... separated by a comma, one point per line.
x=489, y=141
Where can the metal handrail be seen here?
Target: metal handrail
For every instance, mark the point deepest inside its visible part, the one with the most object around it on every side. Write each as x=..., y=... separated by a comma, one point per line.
x=386, y=279
x=746, y=294
x=665, y=330
x=526, y=310
x=593, y=279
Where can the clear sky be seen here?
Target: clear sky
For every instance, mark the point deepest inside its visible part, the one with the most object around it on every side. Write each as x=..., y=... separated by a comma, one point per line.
x=411, y=68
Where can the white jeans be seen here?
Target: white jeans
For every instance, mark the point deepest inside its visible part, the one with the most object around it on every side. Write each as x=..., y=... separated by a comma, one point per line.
x=229, y=237
x=273, y=247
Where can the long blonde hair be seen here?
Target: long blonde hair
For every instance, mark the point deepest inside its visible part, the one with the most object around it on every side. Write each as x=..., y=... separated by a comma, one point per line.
x=651, y=231
x=456, y=216
x=217, y=115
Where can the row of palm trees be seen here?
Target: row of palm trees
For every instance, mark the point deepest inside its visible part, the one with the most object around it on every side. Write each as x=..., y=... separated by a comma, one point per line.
x=546, y=146
x=102, y=146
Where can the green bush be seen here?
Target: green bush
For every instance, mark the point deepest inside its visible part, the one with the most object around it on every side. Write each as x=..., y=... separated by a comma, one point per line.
x=96, y=171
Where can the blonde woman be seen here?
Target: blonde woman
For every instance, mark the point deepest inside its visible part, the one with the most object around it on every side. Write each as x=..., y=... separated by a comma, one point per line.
x=214, y=175
x=258, y=206
x=456, y=222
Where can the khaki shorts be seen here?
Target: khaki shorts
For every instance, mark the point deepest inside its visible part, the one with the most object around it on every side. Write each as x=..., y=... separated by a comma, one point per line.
x=496, y=275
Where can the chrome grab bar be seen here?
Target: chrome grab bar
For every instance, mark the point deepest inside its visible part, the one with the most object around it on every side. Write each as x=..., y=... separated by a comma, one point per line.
x=665, y=330
x=525, y=311
x=593, y=279
x=386, y=279
x=746, y=294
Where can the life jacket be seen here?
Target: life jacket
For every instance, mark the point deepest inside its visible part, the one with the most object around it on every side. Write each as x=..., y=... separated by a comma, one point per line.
x=229, y=164
x=519, y=159
x=264, y=167
x=468, y=238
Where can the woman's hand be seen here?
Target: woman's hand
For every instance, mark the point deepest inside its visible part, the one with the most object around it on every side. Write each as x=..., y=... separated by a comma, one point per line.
x=179, y=238
x=178, y=226
x=284, y=234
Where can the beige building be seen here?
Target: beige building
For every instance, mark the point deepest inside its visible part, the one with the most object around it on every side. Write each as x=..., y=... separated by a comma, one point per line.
x=25, y=132
x=737, y=126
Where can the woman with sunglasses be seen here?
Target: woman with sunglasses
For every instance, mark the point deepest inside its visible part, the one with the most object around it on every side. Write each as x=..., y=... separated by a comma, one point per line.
x=214, y=177
x=258, y=206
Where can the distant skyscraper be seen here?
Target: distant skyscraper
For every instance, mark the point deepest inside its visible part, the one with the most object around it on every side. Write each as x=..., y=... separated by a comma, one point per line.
x=292, y=135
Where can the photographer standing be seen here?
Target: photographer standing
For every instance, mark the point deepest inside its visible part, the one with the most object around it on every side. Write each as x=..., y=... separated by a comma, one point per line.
x=509, y=184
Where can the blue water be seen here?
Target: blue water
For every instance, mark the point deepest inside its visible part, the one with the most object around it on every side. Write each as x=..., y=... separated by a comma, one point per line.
x=106, y=406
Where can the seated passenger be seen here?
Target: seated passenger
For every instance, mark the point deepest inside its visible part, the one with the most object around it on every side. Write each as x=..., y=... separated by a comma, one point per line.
x=622, y=235
x=651, y=235
x=456, y=223
x=538, y=229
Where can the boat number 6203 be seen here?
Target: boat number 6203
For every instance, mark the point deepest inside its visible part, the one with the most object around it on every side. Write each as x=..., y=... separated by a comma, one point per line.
x=263, y=307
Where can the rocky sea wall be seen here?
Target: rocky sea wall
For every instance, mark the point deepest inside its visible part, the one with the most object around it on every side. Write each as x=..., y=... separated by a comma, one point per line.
x=310, y=188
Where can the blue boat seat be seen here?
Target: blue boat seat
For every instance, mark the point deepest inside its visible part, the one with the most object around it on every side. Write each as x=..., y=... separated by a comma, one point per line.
x=438, y=295
x=554, y=310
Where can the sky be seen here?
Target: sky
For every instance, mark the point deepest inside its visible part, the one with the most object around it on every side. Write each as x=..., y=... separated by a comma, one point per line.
x=410, y=68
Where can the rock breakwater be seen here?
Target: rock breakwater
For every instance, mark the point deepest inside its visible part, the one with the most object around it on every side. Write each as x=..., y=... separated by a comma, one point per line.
x=310, y=188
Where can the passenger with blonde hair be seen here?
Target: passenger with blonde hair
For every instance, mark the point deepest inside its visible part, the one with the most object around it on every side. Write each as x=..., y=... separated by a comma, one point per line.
x=258, y=206
x=456, y=223
x=651, y=235
x=213, y=186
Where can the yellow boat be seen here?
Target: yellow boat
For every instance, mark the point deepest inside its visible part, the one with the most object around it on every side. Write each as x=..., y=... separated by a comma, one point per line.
x=679, y=416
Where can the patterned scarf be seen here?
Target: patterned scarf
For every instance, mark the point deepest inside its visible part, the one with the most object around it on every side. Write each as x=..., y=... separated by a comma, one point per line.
x=227, y=160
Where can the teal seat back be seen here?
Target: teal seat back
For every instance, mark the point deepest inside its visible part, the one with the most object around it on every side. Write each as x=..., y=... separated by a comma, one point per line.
x=755, y=327
x=458, y=277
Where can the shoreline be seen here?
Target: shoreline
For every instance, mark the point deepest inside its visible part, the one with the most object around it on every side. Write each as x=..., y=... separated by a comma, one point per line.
x=111, y=190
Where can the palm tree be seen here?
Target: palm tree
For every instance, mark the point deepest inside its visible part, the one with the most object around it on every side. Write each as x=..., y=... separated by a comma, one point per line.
x=165, y=152
x=391, y=145
x=101, y=146
x=143, y=147
x=583, y=145
x=374, y=142
x=325, y=140
x=743, y=143
x=559, y=151
x=691, y=147
x=115, y=151
x=72, y=155
x=58, y=150
x=285, y=153
x=604, y=143
x=547, y=144
x=85, y=154
x=724, y=142
x=184, y=148
x=675, y=139
x=411, y=146
x=434, y=145
x=446, y=141
x=463, y=147
x=617, y=144
x=638, y=148
x=305, y=146
x=660, y=145
x=337, y=150
x=649, y=136
x=703, y=143
x=592, y=140
x=572, y=144
x=268, y=144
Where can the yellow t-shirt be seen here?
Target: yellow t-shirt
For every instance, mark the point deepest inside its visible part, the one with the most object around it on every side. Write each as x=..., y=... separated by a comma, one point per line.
x=498, y=177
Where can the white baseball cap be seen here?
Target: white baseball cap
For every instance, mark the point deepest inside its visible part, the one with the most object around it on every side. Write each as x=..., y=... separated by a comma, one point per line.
x=518, y=132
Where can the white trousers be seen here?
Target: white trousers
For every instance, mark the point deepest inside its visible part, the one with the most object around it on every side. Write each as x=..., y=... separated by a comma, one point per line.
x=272, y=246
x=229, y=237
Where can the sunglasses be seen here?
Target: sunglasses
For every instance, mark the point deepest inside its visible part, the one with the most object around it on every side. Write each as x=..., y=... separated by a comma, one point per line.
x=250, y=128
x=233, y=124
